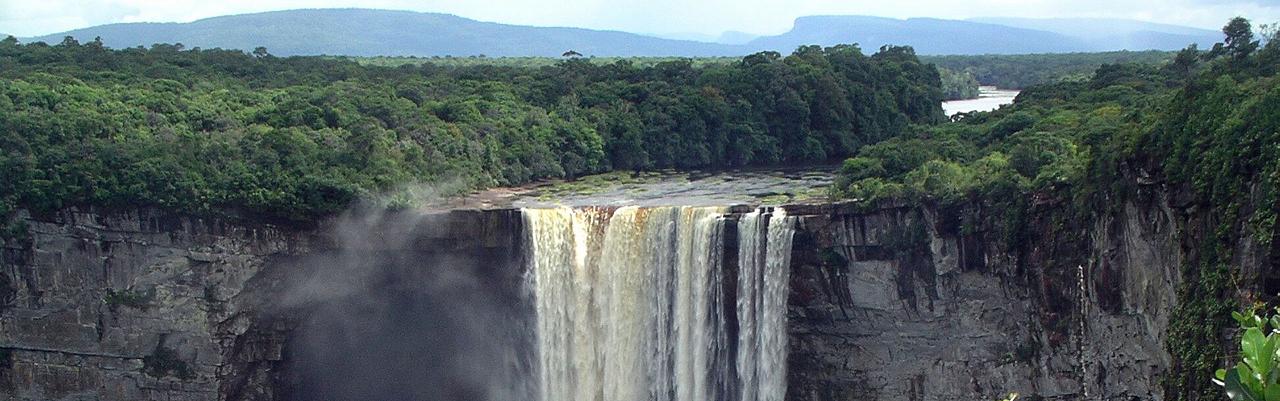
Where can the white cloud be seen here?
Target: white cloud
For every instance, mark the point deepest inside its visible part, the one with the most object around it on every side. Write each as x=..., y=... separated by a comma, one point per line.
x=35, y=17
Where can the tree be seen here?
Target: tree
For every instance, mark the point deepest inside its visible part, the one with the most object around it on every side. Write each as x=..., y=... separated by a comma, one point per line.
x=1270, y=32
x=9, y=41
x=260, y=52
x=1186, y=61
x=1239, y=42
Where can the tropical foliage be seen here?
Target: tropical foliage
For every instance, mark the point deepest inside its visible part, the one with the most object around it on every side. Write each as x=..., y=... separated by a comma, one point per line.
x=1017, y=71
x=215, y=131
x=1257, y=376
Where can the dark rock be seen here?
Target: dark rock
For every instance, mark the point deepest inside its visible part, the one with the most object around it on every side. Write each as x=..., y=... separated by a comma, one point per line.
x=899, y=303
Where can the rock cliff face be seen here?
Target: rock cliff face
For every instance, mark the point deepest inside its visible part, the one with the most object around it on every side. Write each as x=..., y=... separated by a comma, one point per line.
x=144, y=305
x=895, y=304
x=901, y=304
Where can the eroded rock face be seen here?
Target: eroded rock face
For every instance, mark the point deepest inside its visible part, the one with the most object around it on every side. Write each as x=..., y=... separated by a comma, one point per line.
x=900, y=304
x=144, y=305
x=130, y=305
x=897, y=304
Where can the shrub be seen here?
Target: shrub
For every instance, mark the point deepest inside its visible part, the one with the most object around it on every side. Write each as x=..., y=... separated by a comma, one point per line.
x=130, y=298
x=1257, y=376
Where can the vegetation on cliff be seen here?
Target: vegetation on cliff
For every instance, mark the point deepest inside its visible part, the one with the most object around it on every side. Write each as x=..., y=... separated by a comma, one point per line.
x=1205, y=127
x=214, y=131
x=295, y=138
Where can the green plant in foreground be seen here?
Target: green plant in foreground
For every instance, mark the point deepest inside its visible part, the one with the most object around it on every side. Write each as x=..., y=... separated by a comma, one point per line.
x=1257, y=376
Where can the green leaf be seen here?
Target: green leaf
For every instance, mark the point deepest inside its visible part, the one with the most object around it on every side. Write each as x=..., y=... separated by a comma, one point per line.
x=1252, y=346
x=1273, y=392
x=1250, y=380
x=1267, y=359
x=1237, y=390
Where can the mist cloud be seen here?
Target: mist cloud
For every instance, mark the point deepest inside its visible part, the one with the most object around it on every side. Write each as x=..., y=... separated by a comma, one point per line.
x=399, y=311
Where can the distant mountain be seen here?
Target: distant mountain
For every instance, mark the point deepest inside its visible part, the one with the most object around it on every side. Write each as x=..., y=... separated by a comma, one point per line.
x=364, y=32
x=927, y=35
x=736, y=38
x=1116, y=34
x=691, y=36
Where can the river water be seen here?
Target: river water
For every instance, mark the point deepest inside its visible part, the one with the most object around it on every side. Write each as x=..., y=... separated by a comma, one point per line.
x=989, y=98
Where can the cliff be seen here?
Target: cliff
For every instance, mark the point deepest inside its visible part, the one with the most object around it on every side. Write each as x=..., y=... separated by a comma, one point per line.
x=906, y=304
x=139, y=304
x=897, y=303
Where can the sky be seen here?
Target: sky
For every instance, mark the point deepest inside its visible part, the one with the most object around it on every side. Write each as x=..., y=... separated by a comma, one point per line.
x=707, y=17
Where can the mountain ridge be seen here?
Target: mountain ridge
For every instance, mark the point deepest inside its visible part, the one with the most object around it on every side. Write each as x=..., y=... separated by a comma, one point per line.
x=926, y=35
x=368, y=32
x=373, y=32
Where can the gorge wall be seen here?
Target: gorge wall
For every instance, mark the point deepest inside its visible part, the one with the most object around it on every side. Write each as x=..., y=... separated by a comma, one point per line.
x=904, y=303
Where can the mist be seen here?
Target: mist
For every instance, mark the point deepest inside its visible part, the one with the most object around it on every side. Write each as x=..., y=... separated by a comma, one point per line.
x=405, y=311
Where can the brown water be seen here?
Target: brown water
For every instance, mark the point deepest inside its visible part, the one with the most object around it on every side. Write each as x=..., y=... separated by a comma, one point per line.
x=746, y=187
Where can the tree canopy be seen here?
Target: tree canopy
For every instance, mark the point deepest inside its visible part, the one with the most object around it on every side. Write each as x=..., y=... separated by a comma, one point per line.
x=216, y=131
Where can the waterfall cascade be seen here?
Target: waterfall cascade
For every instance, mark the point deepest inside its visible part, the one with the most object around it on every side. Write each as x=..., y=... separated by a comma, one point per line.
x=638, y=304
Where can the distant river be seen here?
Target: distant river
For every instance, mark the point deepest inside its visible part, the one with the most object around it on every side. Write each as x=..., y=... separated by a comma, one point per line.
x=989, y=98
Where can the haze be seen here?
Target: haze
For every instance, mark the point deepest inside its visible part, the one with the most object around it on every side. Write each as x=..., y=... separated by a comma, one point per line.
x=665, y=17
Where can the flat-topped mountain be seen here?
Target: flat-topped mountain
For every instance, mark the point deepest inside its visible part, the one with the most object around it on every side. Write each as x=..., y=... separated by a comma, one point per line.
x=1107, y=34
x=366, y=32
x=927, y=35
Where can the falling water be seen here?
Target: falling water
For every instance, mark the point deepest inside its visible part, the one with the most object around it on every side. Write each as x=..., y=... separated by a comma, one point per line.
x=764, y=255
x=631, y=304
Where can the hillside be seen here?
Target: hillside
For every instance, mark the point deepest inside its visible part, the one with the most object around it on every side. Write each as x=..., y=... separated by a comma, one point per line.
x=927, y=35
x=1105, y=34
x=365, y=32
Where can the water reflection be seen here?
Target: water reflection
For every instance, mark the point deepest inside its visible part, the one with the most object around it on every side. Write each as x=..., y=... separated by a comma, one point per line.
x=989, y=98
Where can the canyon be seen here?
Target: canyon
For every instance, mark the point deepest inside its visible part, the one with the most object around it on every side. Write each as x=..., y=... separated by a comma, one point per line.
x=890, y=303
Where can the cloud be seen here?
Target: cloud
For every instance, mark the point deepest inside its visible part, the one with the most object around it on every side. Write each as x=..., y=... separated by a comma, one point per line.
x=24, y=17
x=33, y=17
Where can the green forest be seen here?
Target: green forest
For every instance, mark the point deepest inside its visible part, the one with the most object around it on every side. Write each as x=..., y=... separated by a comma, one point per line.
x=1207, y=119
x=1018, y=71
x=229, y=133
x=961, y=74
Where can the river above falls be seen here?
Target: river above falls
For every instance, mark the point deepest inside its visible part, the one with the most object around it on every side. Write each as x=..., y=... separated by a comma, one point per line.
x=667, y=188
x=989, y=98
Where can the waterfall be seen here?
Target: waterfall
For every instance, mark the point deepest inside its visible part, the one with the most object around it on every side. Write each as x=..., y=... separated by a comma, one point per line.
x=632, y=304
x=764, y=254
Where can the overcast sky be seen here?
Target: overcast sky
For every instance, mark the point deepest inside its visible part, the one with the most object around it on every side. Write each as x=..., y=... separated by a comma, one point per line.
x=39, y=17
